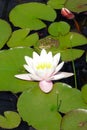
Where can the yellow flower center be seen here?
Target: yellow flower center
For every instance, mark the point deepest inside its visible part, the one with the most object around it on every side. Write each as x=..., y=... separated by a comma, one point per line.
x=44, y=66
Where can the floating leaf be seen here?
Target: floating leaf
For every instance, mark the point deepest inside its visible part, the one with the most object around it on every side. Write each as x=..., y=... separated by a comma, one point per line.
x=72, y=39
x=20, y=38
x=39, y=109
x=84, y=92
x=75, y=120
x=52, y=44
x=59, y=28
x=48, y=42
x=5, y=32
x=34, y=103
x=76, y=5
x=10, y=120
x=69, y=98
x=12, y=62
x=71, y=54
x=29, y=15
x=56, y=4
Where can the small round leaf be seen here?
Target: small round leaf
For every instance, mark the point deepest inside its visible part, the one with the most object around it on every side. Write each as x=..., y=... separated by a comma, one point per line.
x=10, y=120
x=75, y=120
x=59, y=28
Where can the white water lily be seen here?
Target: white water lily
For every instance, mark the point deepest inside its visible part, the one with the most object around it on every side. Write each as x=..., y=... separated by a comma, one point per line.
x=45, y=69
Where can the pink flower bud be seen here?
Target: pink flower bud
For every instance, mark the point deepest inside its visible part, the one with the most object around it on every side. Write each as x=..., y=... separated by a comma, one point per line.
x=66, y=13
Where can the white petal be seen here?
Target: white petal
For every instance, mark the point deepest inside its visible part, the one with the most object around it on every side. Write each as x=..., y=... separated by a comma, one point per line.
x=29, y=69
x=28, y=60
x=58, y=68
x=46, y=86
x=61, y=75
x=49, y=55
x=43, y=53
x=35, y=56
x=35, y=77
x=56, y=59
x=23, y=76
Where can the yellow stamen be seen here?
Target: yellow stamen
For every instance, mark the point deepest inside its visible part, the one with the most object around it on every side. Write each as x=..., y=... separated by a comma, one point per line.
x=44, y=66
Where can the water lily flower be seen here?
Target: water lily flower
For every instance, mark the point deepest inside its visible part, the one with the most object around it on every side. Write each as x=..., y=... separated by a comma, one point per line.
x=45, y=69
x=66, y=13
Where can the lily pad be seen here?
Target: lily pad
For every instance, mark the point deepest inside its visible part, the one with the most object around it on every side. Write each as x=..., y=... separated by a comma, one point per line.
x=76, y=5
x=10, y=120
x=39, y=109
x=59, y=28
x=84, y=92
x=12, y=62
x=29, y=15
x=56, y=4
x=68, y=54
x=69, y=98
x=71, y=54
x=5, y=32
x=42, y=110
x=20, y=38
x=52, y=44
x=72, y=39
x=75, y=120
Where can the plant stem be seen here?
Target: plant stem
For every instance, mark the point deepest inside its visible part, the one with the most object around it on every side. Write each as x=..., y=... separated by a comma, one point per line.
x=73, y=66
x=77, y=25
x=74, y=70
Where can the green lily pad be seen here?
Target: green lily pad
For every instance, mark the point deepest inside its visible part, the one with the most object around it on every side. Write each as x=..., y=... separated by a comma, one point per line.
x=10, y=120
x=20, y=38
x=72, y=39
x=48, y=42
x=76, y=5
x=59, y=28
x=69, y=98
x=75, y=120
x=5, y=32
x=42, y=110
x=39, y=109
x=29, y=15
x=12, y=62
x=71, y=54
x=52, y=44
x=68, y=54
x=84, y=92
x=56, y=4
